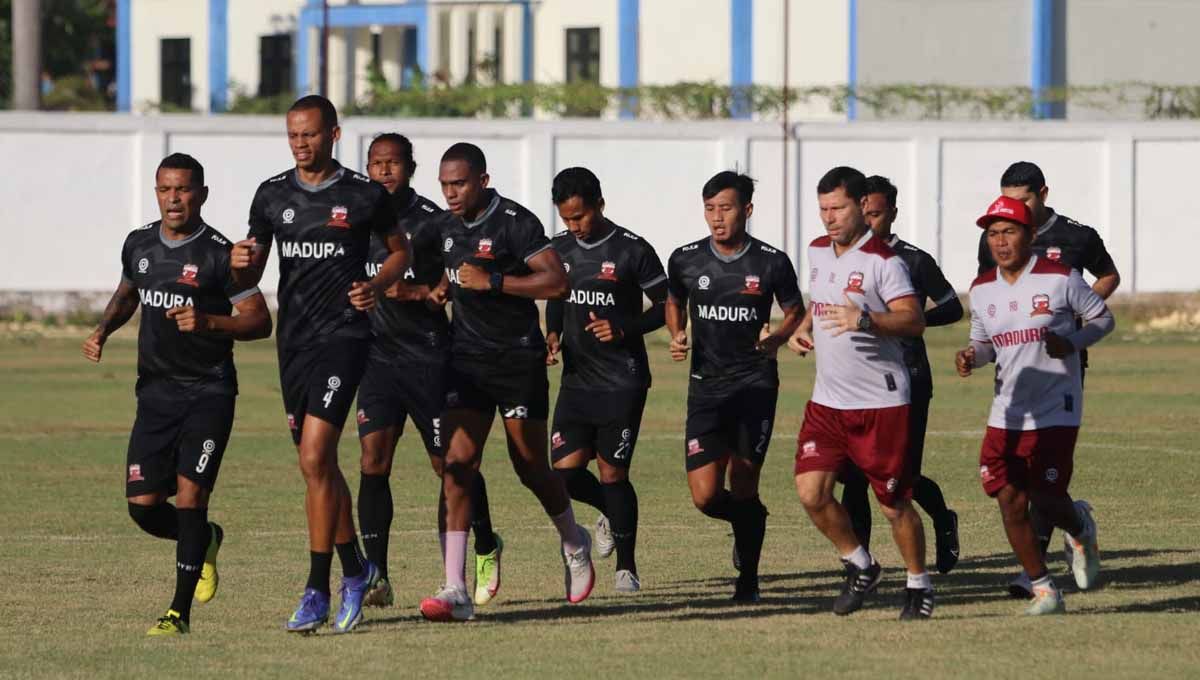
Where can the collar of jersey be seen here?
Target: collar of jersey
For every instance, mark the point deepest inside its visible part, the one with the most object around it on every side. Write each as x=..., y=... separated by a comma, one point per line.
x=1028, y=268
x=183, y=241
x=857, y=244
x=588, y=246
x=1049, y=222
x=495, y=203
x=731, y=258
x=314, y=188
x=893, y=240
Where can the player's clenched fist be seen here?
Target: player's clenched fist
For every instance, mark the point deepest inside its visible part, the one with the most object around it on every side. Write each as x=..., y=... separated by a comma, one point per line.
x=473, y=277
x=189, y=319
x=241, y=256
x=362, y=295
x=93, y=347
x=964, y=361
x=602, y=329
x=552, y=348
x=1058, y=347
x=679, y=346
x=801, y=342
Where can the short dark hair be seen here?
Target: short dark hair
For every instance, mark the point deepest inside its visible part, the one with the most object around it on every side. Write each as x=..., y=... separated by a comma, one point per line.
x=406, y=150
x=579, y=182
x=853, y=182
x=467, y=153
x=1023, y=174
x=182, y=161
x=878, y=184
x=316, y=101
x=728, y=179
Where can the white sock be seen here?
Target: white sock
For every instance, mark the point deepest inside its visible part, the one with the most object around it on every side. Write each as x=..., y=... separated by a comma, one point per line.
x=568, y=530
x=1044, y=583
x=859, y=558
x=920, y=581
x=456, y=558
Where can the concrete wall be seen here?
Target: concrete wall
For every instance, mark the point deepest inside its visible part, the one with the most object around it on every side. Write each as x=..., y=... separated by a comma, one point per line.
x=1124, y=180
x=154, y=20
x=550, y=38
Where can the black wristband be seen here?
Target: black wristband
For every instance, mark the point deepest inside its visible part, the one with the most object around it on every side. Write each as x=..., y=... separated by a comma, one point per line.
x=496, y=282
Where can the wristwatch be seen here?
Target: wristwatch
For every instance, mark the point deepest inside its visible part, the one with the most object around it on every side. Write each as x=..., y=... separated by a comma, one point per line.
x=864, y=321
x=495, y=282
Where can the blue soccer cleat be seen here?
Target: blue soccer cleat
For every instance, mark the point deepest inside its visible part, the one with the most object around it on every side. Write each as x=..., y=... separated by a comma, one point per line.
x=352, y=592
x=311, y=614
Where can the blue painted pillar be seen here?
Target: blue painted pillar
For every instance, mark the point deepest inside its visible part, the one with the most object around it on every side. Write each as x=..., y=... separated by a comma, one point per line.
x=852, y=61
x=628, y=21
x=1045, y=47
x=526, y=41
x=741, y=57
x=124, y=55
x=218, y=55
x=423, y=56
x=309, y=16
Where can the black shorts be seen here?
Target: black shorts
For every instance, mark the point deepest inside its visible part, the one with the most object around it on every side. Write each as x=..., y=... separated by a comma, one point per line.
x=177, y=437
x=392, y=392
x=513, y=381
x=321, y=381
x=606, y=423
x=737, y=423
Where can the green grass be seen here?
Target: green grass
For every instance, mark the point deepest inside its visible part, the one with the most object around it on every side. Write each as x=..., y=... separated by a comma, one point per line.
x=79, y=584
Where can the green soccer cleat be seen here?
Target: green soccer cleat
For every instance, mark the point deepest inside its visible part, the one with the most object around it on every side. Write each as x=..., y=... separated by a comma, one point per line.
x=487, y=573
x=206, y=587
x=168, y=624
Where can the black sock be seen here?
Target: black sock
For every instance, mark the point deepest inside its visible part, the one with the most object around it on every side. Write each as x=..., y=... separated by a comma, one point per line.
x=159, y=520
x=375, y=517
x=622, y=503
x=720, y=507
x=1043, y=528
x=194, y=536
x=749, y=528
x=351, y=559
x=481, y=518
x=929, y=496
x=319, y=565
x=583, y=486
x=854, y=499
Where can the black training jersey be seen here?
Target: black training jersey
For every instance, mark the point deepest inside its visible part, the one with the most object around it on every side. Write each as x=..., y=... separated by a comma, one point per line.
x=323, y=234
x=501, y=239
x=1062, y=239
x=607, y=279
x=410, y=329
x=729, y=299
x=929, y=283
x=191, y=272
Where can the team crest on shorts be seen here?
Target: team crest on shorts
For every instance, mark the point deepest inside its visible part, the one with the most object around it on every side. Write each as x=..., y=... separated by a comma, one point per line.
x=484, y=250
x=362, y=417
x=753, y=284
x=556, y=440
x=291, y=421
x=1054, y=253
x=854, y=283
x=984, y=473
x=808, y=450
x=1041, y=305
x=892, y=483
x=608, y=271
x=339, y=217
x=693, y=447
x=1052, y=475
x=188, y=277
x=135, y=473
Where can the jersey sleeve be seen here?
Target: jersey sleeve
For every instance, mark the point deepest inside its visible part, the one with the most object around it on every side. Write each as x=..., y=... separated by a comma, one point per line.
x=676, y=287
x=785, y=285
x=232, y=290
x=978, y=331
x=985, y=254
x=126, y=263
x=932, y=281
x=1096, y=258
x=527, y=237
x=261, y=228
x=649, y=268
x=1084, y=301
x=894, y=280
x=383, y=218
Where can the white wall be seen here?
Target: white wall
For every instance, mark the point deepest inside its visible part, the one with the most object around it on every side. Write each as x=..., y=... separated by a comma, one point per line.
x=818, y=49
x=684, y=40
x=1125, y=180
x=551, y=21
x=153, y=20
x=249, y=21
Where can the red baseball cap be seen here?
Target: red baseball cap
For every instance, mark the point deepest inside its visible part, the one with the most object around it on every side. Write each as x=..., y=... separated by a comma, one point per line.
x=1005, y=208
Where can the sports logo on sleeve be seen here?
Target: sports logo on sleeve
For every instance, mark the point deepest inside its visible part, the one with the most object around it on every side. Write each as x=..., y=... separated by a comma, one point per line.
x=752, y=285
x=143, y=266
x=608, y=271
x=447, y=244
x=288, y=216
x=854, y=283
x=704, y=282
x=188, y=277
x=339, y=217
x=1041, y=305
x=483, y=251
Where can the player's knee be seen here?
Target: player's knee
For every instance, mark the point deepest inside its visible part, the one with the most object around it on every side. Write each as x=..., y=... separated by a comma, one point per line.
x=896, y=511
x=438, y=464
x=314, y=465
x=813, y=497
x=531, y=476
x=375, y=463
x=152, y=519
x=1014, y=505
x=707, y=505
x=612, y=475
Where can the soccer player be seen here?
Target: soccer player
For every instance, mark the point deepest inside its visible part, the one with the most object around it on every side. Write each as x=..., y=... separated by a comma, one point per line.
x=406, y=371
x=498, y=261
x=177, y=269
x=599, y=329
x=929, y=284
x=862, y=303
x=322, y=216
x=1023, y=317
x=1060, y=239
x=725, y=283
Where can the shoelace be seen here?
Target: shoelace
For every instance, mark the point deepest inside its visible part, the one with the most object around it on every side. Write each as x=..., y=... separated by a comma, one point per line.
x=861, y=581
x=166, y=623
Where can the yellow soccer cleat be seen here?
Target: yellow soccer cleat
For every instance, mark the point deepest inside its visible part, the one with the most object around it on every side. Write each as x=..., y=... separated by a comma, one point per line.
x=487, y=574
x=206, y=587
x=168, y=624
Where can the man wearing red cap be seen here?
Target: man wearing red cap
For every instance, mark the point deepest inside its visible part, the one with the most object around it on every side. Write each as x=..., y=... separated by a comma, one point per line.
x=1023, y=315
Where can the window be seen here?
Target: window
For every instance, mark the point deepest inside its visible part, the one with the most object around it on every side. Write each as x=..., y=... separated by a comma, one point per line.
x=175, y=82
x=583, y=55
x=274, y=64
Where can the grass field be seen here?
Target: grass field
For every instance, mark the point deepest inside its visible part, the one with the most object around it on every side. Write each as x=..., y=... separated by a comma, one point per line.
x=79, y=584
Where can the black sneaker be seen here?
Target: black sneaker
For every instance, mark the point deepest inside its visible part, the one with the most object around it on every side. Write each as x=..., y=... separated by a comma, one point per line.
x=859, y=582
x=918, y=604
x=947, y=542
x=746, y=591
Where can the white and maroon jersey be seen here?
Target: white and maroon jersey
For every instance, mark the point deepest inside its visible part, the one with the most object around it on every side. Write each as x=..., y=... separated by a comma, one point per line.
x=857, y=370
x=1033, y=390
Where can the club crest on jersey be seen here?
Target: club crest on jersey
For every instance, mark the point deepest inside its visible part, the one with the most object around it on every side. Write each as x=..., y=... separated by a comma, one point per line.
x=1041, y=305
x=288, y=216
x=854, y=284
x=188, y=277
x=992, y=311
x=143, y=265
x=704, y=282
x=135, y=473
x=752, y=285
x=608, y=271
x=484, y=250
x=1054, y=253
x=339, y=217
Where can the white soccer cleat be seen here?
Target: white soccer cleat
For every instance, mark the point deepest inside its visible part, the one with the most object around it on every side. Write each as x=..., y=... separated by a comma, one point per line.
x=579, y=573
x=1046, y=601
x=627, y=582
x=451, y=603
x=605, y=544
x=1083, y=555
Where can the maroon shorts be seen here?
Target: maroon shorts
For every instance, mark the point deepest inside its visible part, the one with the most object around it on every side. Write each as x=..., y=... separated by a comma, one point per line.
x=875, y=440
x=1038, y=460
